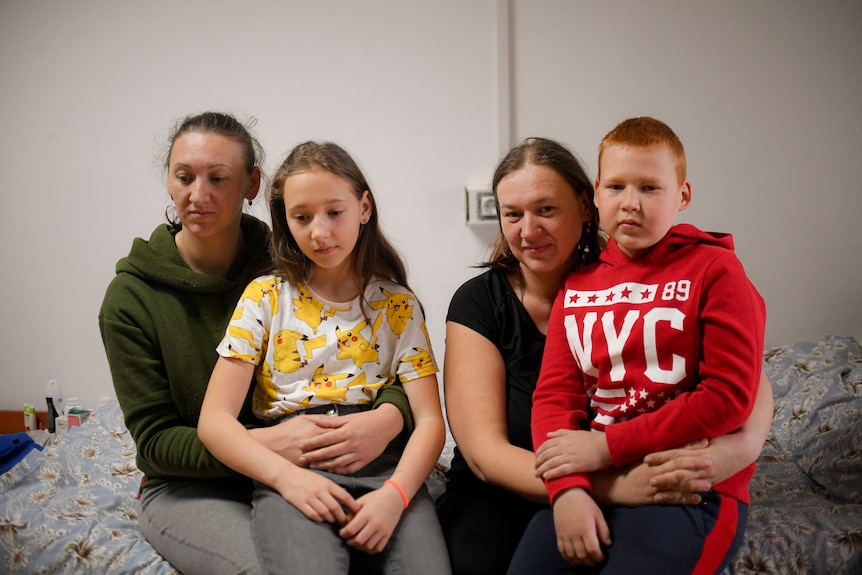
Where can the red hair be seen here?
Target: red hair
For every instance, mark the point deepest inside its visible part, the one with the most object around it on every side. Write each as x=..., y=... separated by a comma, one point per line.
x=645, y=132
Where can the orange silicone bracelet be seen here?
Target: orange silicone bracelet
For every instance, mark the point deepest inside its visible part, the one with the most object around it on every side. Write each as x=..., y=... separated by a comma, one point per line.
x=400, y=489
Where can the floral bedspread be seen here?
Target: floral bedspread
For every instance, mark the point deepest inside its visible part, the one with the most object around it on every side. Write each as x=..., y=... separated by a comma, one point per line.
x=71, y=507
x=806, y=494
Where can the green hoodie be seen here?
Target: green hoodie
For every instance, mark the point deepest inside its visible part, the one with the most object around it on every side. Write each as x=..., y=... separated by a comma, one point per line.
x=160, y=323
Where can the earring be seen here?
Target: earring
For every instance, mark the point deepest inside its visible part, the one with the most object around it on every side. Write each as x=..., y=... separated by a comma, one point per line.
x=249, y=201
x=588, y=231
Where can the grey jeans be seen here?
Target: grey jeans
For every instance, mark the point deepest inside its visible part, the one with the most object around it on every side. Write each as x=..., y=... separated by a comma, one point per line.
x=201, y=527
x=289, y=542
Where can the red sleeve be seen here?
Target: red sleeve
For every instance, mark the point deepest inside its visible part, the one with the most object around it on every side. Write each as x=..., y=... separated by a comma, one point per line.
x=732, y=319
x=559, y=401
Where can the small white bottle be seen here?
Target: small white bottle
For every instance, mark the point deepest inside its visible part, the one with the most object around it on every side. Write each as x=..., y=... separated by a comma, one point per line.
x=72, y=405
x=31, y=422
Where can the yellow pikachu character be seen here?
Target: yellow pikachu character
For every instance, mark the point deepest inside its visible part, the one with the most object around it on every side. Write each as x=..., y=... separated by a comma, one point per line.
x=264, y=392
x=242, y=333
x=286, y=357
x=421, y=359
x=370, y=389
x=245, y=334
x=309, y=309
x=324, y=385
x=255, y=291
x=352, y=344
x=399, y=309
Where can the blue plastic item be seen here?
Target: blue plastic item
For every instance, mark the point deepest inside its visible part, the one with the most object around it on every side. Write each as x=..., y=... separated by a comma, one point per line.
x=13, y=448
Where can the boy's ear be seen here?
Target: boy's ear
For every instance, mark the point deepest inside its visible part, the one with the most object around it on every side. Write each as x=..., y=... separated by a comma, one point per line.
x=685, y=195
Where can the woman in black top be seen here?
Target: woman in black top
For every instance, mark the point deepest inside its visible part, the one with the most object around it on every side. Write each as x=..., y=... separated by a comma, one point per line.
x=495, y=338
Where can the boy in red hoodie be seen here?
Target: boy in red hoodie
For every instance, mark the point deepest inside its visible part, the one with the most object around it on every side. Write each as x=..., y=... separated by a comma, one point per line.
x=656, y=345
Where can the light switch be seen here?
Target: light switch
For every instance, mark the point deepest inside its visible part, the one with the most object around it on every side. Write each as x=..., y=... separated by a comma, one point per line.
x=481, y=207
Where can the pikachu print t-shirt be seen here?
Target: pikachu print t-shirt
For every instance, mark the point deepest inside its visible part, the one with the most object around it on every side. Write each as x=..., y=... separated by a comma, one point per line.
x=310, y=351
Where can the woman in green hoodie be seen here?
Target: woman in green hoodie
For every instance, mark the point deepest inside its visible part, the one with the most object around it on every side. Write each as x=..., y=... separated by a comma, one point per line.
x=163, y=316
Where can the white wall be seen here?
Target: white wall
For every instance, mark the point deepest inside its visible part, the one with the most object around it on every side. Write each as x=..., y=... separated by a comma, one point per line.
x=90, y=88
x=766, y=99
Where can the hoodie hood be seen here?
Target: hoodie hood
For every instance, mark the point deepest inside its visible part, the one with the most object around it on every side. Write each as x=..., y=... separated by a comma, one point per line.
x=678, y=236
x=158, y=261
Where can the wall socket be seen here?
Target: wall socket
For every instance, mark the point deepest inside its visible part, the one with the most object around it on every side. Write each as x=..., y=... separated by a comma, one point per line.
x=481, y=207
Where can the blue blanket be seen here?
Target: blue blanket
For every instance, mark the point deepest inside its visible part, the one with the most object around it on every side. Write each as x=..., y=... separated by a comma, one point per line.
x=13, y=448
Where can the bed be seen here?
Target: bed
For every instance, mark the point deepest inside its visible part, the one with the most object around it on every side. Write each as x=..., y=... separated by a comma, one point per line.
x=71, y=508
x=806, y=494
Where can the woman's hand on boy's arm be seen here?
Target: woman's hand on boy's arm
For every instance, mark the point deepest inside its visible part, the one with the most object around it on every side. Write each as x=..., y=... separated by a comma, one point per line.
x=700, y=465
x=679, y=474
x=567, y=451
x=674, y=477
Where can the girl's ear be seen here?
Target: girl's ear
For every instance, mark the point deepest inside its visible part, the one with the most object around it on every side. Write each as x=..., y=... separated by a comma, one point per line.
x=365, y=208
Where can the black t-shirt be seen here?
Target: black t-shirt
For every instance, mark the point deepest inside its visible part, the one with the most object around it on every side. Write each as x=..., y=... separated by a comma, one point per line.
x=488, y=305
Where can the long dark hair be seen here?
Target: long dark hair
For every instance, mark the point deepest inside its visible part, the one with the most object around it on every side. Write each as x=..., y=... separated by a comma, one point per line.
x=546, y=152
x=373, y=254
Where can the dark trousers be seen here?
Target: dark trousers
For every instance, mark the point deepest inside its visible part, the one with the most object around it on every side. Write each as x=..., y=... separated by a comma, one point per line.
x=482, y=525
x=667, y=539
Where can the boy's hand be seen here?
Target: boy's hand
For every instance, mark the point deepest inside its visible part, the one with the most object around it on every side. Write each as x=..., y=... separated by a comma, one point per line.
x=371, y=527
x=567, y=451
x=581, y=528
x=319, y=498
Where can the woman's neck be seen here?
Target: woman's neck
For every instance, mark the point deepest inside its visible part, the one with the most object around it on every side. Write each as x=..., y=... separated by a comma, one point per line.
x=537, y=293
x=212, y=256
x=541, y=287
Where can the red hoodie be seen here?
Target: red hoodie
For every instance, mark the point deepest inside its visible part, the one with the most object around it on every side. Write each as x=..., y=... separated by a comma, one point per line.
x=680, y=321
